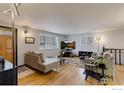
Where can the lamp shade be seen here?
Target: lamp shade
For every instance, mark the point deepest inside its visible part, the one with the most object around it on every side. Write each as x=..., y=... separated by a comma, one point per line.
x=98, y=38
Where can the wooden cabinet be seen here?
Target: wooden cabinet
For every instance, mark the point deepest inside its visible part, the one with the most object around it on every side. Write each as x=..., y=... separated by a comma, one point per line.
x=6, y=47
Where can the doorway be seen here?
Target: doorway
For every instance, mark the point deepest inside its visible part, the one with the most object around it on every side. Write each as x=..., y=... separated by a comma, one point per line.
x=8, y=56
x=6, y=49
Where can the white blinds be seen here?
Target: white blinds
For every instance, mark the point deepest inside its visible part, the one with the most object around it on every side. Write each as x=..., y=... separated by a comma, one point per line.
x=48, y=42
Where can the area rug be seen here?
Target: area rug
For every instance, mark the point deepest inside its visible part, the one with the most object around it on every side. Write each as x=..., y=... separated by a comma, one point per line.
x=75, y=61
x=25, y=72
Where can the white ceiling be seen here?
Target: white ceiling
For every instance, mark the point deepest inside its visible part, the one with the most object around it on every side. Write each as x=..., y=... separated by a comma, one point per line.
x=68, y=18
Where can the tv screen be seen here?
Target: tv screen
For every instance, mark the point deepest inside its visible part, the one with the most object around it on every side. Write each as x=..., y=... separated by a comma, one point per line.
x=67, y=44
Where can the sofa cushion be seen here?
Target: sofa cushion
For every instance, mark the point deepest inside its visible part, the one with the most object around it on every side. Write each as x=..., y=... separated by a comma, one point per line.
x=31, y=52
x=50, y=62
x=41, y=57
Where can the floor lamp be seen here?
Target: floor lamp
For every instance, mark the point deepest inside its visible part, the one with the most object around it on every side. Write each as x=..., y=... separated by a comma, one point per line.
x=98, y=38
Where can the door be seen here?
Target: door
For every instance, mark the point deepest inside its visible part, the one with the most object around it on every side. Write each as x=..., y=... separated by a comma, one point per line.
x=6, y=47
x=8, y=50
x=1, y=46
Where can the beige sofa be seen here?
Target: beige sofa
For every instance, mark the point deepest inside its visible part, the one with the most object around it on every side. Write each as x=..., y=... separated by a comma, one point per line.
x=38, y=62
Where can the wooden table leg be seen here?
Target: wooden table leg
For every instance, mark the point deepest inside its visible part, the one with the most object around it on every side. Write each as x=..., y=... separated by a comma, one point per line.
x=86, y=77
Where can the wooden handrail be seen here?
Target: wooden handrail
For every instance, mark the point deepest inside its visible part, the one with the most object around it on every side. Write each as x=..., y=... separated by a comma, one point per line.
x=115, y=51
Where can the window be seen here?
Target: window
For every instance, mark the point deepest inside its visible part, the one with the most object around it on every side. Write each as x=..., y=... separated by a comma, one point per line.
x=42, y=41
x=87, y=40
x=48, y=42
x=90, y=40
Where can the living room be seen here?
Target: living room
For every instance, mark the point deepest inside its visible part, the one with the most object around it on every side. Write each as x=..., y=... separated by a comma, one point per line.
x=41, y=29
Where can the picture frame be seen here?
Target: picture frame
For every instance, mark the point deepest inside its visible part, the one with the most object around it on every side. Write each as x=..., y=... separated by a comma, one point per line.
x=29, y=40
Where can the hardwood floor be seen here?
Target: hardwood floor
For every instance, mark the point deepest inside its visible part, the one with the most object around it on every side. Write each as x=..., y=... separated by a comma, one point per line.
x=69, y=74
x=119, y=78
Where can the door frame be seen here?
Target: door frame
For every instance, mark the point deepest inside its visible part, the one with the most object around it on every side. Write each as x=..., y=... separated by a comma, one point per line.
x=15, y=50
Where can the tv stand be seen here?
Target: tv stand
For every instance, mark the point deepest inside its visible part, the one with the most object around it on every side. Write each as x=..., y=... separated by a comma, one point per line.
x=67, y=52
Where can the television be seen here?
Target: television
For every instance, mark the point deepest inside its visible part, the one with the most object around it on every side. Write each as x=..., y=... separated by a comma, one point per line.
x=67, y=44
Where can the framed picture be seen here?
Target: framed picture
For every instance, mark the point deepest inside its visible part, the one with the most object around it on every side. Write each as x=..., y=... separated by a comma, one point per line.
x=29, y=40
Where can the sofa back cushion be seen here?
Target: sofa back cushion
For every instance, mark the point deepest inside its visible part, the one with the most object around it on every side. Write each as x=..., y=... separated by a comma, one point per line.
x=41, y=56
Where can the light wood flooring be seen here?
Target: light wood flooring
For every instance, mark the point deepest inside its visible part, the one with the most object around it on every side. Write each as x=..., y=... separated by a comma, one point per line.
x=69, y=74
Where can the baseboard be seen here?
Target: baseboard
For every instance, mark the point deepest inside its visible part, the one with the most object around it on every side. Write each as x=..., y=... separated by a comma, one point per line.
x=21, y=65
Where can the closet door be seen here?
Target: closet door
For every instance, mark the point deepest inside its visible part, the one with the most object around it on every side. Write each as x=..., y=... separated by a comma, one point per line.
x=9, y=48
x=1, y=46
x=6, y=48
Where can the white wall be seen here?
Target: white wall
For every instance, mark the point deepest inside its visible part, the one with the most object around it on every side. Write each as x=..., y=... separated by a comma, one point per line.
x=109, y=39
x=79, y=47
x=23, y=48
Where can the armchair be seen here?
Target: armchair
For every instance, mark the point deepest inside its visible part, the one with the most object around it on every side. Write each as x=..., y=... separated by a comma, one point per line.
x=104, y=67
x=109, y=62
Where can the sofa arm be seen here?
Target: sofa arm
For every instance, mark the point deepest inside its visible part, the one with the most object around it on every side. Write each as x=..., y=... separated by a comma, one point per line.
x=31, y=59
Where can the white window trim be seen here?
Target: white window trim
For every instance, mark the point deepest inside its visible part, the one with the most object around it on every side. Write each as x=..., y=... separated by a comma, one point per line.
x=47, y=35
x=85, y=44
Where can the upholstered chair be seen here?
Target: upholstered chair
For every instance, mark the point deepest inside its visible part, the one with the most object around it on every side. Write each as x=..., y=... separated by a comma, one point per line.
x=109, y=62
